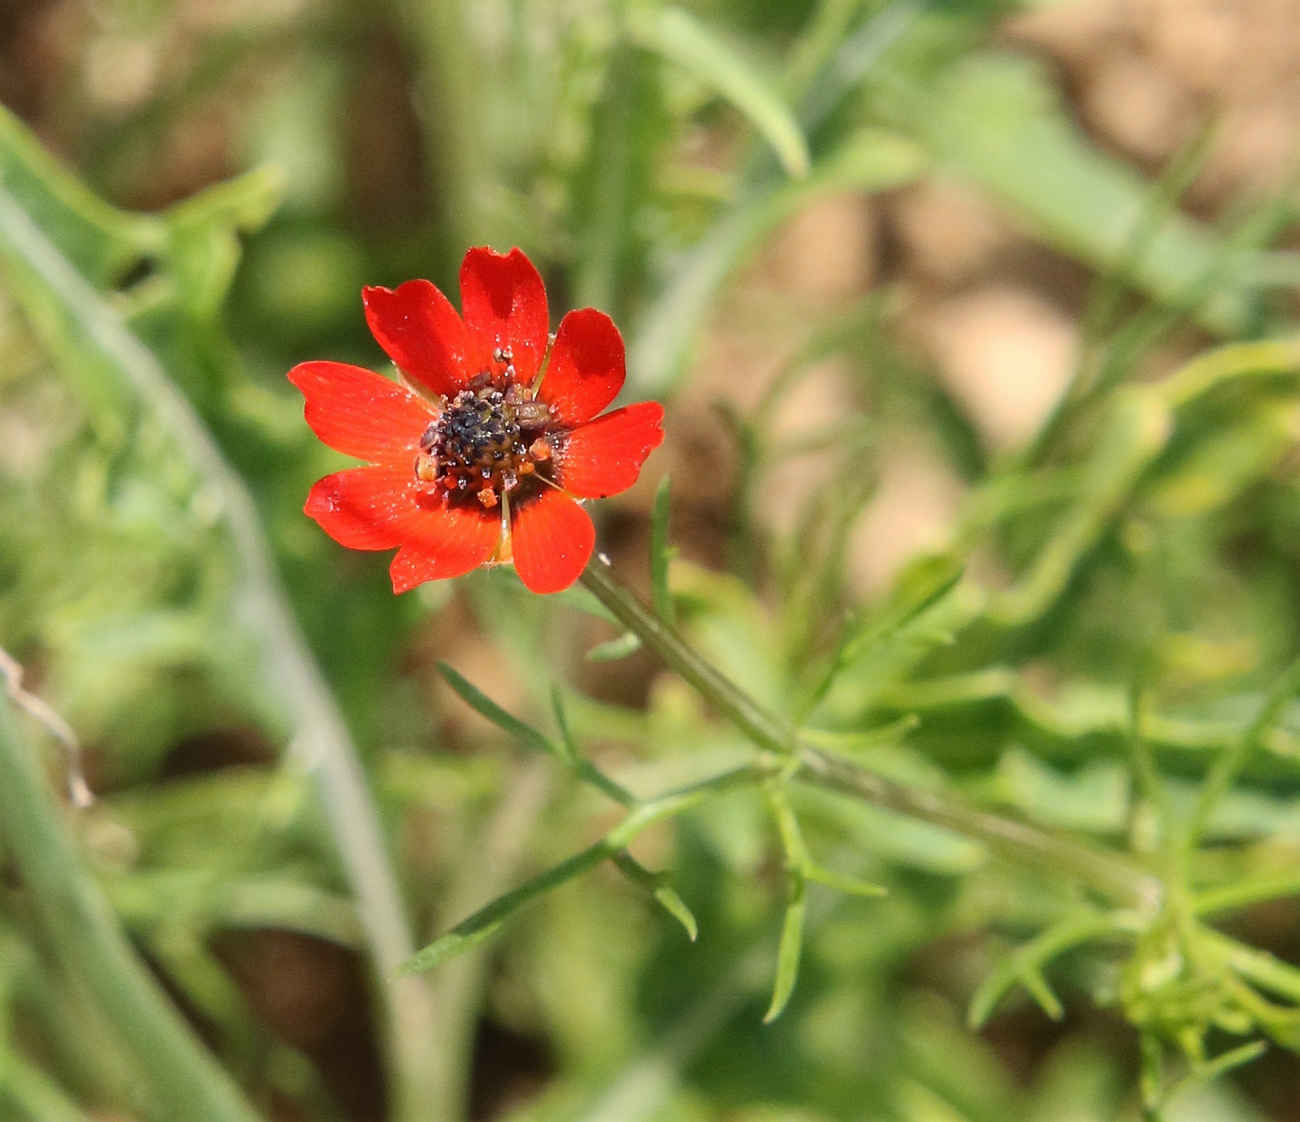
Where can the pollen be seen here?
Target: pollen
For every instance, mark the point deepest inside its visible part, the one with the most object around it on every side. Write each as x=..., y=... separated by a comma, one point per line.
x=484, y=442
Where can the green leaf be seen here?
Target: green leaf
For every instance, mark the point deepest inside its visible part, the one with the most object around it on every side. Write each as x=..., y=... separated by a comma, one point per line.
x=869, y=160
x=477, y=700
x=31, y=1091
x=930, y=605
x=203, y=235
x=998, y=120
x=612, y=650
x=583, y=768
x=210, y=901
x=101, y=242
x=790, y=949
x=661, y=553
x=851, y=886
x=681, y=39
x=923, y=585
x=658, y=886
x=485, y=922
x=1026, y=965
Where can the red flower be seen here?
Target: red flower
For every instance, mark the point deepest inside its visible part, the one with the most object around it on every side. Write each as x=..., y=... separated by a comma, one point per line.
x=483, y=464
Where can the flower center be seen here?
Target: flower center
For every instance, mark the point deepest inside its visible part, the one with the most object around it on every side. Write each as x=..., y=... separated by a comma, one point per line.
x=484, y=442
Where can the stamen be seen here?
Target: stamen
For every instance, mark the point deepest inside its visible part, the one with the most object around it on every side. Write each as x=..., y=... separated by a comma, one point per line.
x=485, y=440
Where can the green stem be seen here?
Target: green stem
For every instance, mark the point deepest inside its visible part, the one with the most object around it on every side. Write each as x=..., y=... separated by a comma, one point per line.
x=763, y=728
x=83, y=929
x=489, y=860
x=44, y=280
x=1013, y=840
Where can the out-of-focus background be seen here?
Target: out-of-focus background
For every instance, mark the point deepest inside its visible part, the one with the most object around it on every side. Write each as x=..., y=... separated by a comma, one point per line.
x=891, y=266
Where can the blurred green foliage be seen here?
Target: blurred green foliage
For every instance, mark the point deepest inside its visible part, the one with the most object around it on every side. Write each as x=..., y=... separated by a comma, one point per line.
x=1102, y=650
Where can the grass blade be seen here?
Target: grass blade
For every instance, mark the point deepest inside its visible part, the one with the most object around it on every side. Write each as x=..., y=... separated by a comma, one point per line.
x=90, y=941
x=681, y=39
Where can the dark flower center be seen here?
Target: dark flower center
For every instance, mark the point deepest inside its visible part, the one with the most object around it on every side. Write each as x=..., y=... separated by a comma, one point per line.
x=485, y=442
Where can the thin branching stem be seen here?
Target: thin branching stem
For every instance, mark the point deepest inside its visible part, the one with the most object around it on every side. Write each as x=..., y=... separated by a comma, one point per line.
x=765, y=729
x=1013, y=840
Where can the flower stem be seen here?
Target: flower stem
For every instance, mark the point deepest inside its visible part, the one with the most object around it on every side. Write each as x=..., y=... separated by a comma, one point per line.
x=1013, y=840
x=1009, y=838
x=81, y=925
x=765, y=729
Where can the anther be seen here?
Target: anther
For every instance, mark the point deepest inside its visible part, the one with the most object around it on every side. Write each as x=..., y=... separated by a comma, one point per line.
x=426, y=468
x=485, y=439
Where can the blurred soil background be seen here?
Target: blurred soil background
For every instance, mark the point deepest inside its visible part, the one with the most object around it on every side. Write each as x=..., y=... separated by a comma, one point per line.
x=152, y=106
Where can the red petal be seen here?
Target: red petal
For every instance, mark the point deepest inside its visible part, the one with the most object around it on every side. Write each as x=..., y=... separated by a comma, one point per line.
x=587, y=366
x=380, y=507
x=360, y=413
x=360, y=508
x=552, y=537
x=422, y=333
x=459, y=554
x=504, y=302
x=604, y=456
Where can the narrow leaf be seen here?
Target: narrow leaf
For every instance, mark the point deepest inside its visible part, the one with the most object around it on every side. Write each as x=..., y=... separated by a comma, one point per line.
x=568, y=745
x=852, y=886
x=477, y=700
x=658, y=886
x=485, y=922
x=935, y=578
x=998, y=120
x=1037, y=988
x=585, y=769
x=620, y=647
x=790, y=949
x=1227, y=1061
x=661, y=553
x=869, y=160
x=684, y=41
x=1025, y=966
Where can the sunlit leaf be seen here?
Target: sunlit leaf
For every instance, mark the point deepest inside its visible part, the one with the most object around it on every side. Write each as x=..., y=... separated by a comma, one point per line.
x=868, y=160
x=790, y=949
x=689, y=44
x=613, y=649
